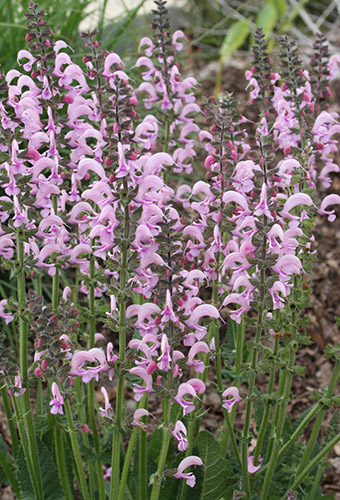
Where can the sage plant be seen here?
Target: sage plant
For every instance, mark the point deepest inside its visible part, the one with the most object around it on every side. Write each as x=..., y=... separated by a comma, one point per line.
x=200, y=287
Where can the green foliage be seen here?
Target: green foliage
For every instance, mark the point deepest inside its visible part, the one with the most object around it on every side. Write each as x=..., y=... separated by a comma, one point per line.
x=267, y=18
x=235, y=38
x=216, y=479
x=4, y=451
x=50, y=479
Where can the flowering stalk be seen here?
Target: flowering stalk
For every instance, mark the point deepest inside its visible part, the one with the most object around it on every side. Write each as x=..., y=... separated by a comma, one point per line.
x=122, y=351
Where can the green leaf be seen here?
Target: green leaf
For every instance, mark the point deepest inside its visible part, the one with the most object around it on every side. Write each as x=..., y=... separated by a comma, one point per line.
x=266, y=19
x=280, y=6
x=234, y=39
x=51, y=485
x=215, y=477
x=259, y=408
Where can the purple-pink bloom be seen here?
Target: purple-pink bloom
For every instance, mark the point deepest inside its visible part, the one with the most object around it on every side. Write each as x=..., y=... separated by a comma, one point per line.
x=57, y=401
x=139, y=389
x=189, y=476
x=194, y=350
x=180, y=433
x=138, y=414
x=229, y=403
x=104, y=412
x=191, y=388
x=254, y=468
x=331, y=199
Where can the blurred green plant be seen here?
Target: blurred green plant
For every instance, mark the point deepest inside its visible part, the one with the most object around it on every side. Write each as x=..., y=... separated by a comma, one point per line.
x=66, y=17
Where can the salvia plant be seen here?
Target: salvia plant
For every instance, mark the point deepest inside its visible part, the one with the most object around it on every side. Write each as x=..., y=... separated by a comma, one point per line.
x=198, y=287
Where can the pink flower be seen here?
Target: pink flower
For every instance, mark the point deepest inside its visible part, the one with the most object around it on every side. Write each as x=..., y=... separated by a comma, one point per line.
x=229, y=403
x=195, y=349
x=95, y=357
x=164, y=359
x=331, y=199
x=293, y=201
x=180, y=433
x=141, y=412
x=57, y=401
x=105, y=412
x=254, y=468
x=189, y=476
x=198, y=313
x=177, y=35
x=191, y=388
x=139, y=389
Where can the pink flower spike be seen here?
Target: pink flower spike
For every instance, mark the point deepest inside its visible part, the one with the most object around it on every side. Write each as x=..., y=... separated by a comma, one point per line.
x=57, y=401
x=229, y=403
x=180, y=433
x=141, y=412
x=189, y=476
x=104, y=412
x=254, y=468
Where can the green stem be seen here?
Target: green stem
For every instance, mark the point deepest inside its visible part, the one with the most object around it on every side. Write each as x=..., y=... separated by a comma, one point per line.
x=265, y=418
x=143, y=483
x=282, y=410
x=317, y=479
x=190, y=437
x=9, y=416
x=295, y=435
x=127, y=462
x=76, y=452
x=163, y=453
x=315, y=461
x=91, y=391
x=319, y=420
x=246, y=428
x=115, y=464
x=30, y=464
x=9, y=473
x=60, y=455
x=55, y=291
x=239, y=349
x=23, y=348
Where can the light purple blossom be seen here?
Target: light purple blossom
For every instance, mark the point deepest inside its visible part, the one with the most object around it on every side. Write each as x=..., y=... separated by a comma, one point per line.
x=180, y=433
x=57, y=401
x=229, y=403
x=189, y=477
